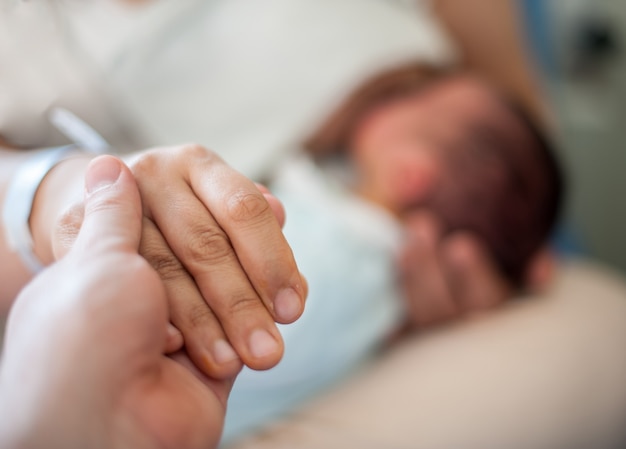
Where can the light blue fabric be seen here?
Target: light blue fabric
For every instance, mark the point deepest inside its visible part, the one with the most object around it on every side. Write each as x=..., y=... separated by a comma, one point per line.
x=346, y=249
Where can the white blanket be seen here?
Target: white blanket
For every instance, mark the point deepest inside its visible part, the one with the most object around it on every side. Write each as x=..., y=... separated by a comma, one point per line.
x=346, y=248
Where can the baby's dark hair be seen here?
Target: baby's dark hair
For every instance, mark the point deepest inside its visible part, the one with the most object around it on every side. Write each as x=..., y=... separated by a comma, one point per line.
x=507, y=191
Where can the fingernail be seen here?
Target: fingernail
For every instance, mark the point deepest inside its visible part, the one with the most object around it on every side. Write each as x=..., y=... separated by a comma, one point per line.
x=223, y=352
x=262, y=343
x=102, y=173
x=287, y=305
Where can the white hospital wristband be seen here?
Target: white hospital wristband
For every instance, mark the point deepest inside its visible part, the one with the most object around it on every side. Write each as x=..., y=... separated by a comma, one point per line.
x=18, y=202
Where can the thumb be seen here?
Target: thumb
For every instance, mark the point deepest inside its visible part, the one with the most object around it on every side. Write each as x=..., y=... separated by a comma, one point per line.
x=113, y=212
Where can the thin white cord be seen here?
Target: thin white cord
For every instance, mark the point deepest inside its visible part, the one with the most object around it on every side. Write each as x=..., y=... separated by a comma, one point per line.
x=78, y=131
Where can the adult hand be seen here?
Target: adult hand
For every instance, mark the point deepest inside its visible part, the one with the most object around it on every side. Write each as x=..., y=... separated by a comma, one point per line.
x=215, y=240
x=447, y=277
x=84, y=362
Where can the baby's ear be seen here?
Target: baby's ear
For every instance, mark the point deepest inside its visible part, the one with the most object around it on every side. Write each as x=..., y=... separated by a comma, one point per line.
x=541, y=270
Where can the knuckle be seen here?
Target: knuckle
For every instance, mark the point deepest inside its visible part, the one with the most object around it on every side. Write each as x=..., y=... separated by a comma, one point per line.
x=243, y=303
x=195, y=151
x=160, y=159
x=200, y=315
x=165, y=263
x=145, y=164
x=247, y=206
x=209, y=245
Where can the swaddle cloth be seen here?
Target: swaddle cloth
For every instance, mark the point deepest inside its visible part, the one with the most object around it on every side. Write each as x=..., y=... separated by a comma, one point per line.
x=346, y=248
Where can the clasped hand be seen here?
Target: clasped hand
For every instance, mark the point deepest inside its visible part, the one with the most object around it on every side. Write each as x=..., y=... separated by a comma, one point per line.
x=215, y=239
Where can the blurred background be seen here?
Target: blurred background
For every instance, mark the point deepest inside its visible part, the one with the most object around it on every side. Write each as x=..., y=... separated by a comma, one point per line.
x=580, y=47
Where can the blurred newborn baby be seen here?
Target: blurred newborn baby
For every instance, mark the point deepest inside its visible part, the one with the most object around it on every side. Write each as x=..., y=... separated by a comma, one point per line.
x=451, y=146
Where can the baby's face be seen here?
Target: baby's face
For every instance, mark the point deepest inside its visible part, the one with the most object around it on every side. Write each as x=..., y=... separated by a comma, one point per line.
x=398, y=147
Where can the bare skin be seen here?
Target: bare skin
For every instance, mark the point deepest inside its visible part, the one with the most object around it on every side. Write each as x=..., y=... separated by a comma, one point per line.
x=230, y=264
x=95, y=373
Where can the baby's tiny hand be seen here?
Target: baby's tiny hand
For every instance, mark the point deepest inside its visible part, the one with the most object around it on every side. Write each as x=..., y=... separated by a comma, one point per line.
x=446, y=277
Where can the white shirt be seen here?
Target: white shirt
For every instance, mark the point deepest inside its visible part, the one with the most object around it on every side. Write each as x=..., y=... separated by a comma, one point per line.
x=247, y=79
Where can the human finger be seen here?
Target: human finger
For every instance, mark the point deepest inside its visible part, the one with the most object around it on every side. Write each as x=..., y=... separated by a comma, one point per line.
x=423, y=277
x=255, y=235
x=174, y=340
x=277, y=207
x=235, y=289
x=112, y=215
x=211, y=295
x=201, y=331
x=541, y=270
x=473, y=276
